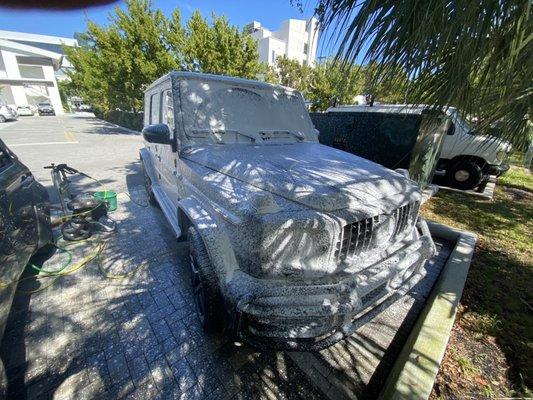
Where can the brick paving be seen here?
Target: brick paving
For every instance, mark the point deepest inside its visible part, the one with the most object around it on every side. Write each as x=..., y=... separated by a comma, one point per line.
x=138, y=337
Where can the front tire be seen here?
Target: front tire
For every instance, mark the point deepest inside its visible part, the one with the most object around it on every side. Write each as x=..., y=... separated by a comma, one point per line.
x=464, y=175
x=206, y=293
x=148, y=186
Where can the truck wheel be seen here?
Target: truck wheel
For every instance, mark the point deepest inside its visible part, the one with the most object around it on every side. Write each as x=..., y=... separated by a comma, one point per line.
x=2, y=118
x=206, y=293
x=148, y=187
x=464, y=175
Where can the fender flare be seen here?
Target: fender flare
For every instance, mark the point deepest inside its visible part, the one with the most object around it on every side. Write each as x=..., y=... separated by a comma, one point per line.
x=216, y=241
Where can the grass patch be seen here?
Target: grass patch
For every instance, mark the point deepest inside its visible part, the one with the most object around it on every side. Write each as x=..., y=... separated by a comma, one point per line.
x=498, y=297
x=519, y=178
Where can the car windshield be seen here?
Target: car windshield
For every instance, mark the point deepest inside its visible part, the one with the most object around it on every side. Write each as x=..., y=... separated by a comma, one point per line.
x=44, y=104
x=233, y=112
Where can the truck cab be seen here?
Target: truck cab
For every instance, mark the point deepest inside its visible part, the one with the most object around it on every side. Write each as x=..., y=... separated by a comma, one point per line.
x=467, y=158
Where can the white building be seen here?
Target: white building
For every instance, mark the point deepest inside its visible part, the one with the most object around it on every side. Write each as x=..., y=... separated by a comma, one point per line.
x=296, y=39
x=30, y=66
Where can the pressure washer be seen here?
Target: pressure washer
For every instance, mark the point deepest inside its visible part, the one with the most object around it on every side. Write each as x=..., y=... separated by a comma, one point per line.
x=83, y=214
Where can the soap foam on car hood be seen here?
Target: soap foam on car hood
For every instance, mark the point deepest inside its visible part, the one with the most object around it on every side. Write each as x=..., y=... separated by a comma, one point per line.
x=317, y=176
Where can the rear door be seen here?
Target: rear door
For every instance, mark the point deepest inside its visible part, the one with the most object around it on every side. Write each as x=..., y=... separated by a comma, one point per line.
x=18, y=225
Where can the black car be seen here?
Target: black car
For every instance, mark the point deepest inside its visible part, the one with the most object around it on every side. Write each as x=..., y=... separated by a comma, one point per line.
x=45, y=109
x=25, y=228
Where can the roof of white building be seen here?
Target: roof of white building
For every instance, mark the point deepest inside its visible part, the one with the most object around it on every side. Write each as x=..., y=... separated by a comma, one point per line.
x=32, y=37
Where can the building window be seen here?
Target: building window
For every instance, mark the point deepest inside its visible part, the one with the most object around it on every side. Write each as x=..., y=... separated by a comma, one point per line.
x=273, y=56
x=306, y=48
x=31, y=72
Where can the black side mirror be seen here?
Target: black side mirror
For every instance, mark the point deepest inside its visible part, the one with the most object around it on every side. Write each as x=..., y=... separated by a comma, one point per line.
x=157, y=133
x=451, y=129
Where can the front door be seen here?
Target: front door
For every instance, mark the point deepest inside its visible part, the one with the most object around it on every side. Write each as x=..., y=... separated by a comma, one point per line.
x=169, y=158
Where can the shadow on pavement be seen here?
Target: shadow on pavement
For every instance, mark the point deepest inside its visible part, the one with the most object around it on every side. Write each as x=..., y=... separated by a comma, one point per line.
x=88, y=336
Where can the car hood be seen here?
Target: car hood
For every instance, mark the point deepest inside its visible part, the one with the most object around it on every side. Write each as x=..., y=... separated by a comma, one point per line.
x=311, y=174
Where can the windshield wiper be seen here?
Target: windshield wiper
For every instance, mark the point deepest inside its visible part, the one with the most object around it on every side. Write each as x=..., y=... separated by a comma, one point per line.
x=299, y=135
x=223, y=132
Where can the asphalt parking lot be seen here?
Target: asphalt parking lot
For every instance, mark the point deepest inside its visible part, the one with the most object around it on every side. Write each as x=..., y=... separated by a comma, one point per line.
x=125, y=326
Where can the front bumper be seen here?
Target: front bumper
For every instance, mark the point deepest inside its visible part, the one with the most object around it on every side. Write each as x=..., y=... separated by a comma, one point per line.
x=498, y=170
x=310, y=316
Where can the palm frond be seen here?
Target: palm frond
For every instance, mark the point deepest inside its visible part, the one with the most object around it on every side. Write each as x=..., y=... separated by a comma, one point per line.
x=474, y=55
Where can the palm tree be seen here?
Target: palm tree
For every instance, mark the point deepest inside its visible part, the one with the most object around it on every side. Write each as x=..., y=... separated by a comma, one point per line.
x=476, y=55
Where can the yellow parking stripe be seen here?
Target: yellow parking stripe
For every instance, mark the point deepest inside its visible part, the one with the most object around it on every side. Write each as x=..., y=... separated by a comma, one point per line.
x=70, y=136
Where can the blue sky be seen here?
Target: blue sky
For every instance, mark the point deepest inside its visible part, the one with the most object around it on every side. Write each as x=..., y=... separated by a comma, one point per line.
x=64, y=23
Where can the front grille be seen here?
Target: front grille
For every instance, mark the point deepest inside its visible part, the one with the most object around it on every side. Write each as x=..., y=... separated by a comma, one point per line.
x=402, y=217
x=357, y=237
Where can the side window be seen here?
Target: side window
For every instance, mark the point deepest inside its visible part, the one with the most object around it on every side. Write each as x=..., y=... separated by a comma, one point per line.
x=5, y=159
x=154, y=108
x=147, y=110
x=167, y=109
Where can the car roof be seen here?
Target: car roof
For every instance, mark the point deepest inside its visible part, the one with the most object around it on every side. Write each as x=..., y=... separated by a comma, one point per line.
x=218, y=78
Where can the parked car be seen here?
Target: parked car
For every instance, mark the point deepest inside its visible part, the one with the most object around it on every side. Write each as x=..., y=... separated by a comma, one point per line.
x=7, y=113
x=467, y=159
x=85, y=108
x=290, y=240
x=24, y=111
x=45, y=109
x=24, y=227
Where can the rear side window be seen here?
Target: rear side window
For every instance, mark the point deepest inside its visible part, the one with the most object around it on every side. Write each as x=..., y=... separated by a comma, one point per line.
x=167, y=109
x=154, y=109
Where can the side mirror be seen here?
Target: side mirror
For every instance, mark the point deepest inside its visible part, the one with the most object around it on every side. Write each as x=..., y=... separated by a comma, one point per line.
x=451, y=129
x=157, y=133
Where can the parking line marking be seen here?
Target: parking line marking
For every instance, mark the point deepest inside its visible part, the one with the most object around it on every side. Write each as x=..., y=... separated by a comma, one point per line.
x=70, y=136
x=39, y=144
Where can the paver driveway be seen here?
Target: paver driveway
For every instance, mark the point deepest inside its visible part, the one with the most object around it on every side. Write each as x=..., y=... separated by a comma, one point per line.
x=90, y=336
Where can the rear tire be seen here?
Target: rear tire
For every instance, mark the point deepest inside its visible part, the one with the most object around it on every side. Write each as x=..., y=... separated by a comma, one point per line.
x=206, y=292
x=464, y=175
x=2, y=119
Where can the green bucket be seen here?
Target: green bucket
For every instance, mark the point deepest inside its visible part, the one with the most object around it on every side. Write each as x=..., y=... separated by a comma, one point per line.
x=109, y=197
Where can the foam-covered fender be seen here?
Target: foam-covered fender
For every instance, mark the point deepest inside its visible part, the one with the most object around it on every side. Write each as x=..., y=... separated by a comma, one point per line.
x=216, y=241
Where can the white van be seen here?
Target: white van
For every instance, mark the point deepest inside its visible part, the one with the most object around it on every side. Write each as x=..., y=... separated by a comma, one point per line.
x=467, y=158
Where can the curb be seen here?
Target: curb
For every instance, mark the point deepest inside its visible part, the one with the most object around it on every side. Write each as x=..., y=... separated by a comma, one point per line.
x=119, y=126
x=415, y=369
